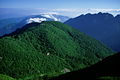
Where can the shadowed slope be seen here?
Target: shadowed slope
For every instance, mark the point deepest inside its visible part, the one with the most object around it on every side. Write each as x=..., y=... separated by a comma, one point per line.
x=109, y=66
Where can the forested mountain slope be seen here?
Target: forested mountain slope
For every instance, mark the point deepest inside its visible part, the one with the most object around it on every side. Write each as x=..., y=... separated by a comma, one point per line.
x=48, y=48
x=107, y=69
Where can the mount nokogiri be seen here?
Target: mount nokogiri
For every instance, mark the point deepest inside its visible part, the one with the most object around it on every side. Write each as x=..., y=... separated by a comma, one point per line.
x=11, y=24
x=48, y=48
x=102, y=26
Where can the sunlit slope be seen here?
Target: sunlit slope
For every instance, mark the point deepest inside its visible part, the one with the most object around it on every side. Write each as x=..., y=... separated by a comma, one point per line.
x=48, y=48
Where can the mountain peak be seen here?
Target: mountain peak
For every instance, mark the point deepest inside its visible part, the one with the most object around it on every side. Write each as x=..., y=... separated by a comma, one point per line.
x=9, y=25
x=102, y=26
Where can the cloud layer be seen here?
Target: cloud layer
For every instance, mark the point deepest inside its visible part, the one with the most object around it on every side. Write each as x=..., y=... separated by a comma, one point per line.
x=76, y=12
x=15, y=12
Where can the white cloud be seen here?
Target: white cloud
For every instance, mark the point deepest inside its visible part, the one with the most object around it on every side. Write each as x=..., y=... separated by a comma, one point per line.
x=39, y=20
x=76, y=12
x=49, y=13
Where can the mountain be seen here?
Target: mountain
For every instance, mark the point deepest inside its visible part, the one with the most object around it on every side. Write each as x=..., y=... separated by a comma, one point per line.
x=102, y=26
x=107, y=68
x=11, y=24
x=48, y=48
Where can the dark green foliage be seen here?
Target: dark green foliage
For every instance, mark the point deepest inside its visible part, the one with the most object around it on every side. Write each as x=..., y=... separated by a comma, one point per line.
x=107, y=69
x=4, y=77
x=46, y=49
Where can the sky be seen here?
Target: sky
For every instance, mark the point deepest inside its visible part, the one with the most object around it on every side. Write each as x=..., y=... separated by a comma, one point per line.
x=51, y=4
x=64, y=7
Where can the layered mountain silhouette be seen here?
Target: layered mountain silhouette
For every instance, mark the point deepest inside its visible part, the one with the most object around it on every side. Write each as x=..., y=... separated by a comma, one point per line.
x=11, y=24
x=108, y=67
x=102, y=26
x=48, y=48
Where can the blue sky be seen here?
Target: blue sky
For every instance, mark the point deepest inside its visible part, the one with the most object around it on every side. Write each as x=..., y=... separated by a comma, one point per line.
x=53, y=4
x=70, y=8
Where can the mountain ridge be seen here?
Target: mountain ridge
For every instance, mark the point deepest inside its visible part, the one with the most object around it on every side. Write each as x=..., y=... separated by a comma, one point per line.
x=11, y=24
x=42, y=47
x=101, y=26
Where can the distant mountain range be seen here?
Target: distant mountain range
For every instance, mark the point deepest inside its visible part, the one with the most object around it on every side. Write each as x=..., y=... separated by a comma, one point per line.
x=107, y=69
x=48, y=48
x=102, y=26
x=11, y=24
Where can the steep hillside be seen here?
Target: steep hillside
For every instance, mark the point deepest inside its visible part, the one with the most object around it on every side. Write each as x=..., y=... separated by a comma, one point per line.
x=107, y=68
x=48, y=48
x=102, y=26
